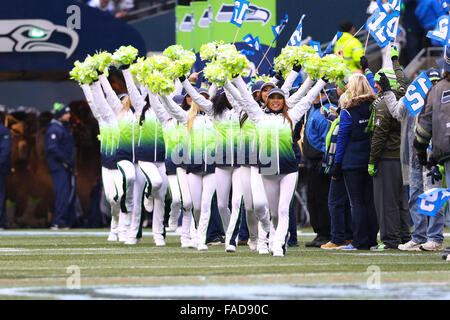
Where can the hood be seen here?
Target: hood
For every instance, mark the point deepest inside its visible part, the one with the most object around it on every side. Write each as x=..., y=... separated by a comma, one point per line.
x=359, y=100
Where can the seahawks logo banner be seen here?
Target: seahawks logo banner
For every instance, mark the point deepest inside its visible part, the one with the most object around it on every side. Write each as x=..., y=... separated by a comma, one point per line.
x=239, y=12
x=296, y=37
x=381, y=25
x=431, y=201
x=414, y=98
x=257, y=21
x=53, y=34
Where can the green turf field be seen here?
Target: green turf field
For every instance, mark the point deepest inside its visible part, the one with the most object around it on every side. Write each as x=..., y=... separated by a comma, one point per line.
x=34, y=264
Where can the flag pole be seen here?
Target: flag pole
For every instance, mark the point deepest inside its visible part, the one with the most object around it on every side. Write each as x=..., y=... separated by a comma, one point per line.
x=367, y=41
x=235, y=36
x=265, y=54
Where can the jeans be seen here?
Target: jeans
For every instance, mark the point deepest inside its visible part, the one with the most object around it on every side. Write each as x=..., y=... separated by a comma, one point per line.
x=364, y=220
x=340, y=213
x=425, y=227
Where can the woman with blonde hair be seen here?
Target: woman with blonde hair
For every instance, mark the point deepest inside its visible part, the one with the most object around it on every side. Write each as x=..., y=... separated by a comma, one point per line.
x=352, y=159
x=199, y=159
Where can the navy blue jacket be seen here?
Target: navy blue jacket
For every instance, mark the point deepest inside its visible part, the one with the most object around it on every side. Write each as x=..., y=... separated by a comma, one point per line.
x=316, y=132
x=59, y=146
x=5, y=149
x=353, y=142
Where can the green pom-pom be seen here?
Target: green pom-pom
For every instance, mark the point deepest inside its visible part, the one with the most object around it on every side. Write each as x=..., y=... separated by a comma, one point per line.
x=333, y=68
x=104, y=60
x=125, y=55
x=182, y=61
x=291, y=56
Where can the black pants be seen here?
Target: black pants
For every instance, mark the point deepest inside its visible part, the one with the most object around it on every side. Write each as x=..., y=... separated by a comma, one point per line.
x=318, y=185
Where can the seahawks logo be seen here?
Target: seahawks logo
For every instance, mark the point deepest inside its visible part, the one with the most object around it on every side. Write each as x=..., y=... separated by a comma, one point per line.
x=206, y=18
x=36, y=35
x=254, y=14
x=188, y=23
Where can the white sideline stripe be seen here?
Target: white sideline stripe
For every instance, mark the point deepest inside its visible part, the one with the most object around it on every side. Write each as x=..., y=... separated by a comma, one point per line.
x=106, y=233
x=214, y=266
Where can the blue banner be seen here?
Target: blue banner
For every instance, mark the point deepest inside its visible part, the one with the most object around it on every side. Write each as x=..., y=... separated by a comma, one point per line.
x=239, y=12
x=329, y=49
x=440, y=33
x=414, y=98
x=431, y=201
x=316, y=46
x=279, y=28
x=296, y=37
x=381, y=26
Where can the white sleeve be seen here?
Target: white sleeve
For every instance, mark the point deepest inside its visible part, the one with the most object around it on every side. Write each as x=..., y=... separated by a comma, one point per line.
x=90, y=100
x=249, y=105
x=396, y=108
x=235, y=103
x=297, y=112
x=160, y=111
x=111, y=96
x=289, y=82
x=178, y=88
x=301, y=92
x=105, y=111
x=212, y=90
x=173, y=109
x=137, y=100
x=203, y=103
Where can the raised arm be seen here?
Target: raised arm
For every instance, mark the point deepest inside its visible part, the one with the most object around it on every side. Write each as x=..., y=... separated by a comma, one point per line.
x=111, y=96
x=137, y=100
x=173, y=109
x=297, y=112
x=249, y=105
x=160, y=111
x=289, y=82
x=90, y=100
x=237, y=104
x=396, y=108
x=212, y=91
x=301, y=92
x=204, y=103
x=105, y=111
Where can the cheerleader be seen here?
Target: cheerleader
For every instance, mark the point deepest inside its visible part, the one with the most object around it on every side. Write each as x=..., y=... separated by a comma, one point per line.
x=125, y=154
x=151, y=179
x=227, y=172
x=111, y=177
x=278, y=165
x=179, y=188
x=200, y=161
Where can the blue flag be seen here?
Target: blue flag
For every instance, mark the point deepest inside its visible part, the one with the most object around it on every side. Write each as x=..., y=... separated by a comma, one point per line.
x=381, y=26
x=414, y=98
x=444, y=4
x=329, y=49
x=247, y=52
x=440, y=33
x=279, y=28
x=296, y=37
x=431, y=201
x=252, y=42
x=239, y=12
x=316, y=46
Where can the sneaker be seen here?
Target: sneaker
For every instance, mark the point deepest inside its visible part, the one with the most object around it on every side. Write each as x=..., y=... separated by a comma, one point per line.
x=431, y=246
x=188, y=244
x=409, y=246
x=217, y=241
x=381, y=247
x=277, y=251
x=331, y=246
x=113, y=237
x=172, y=225
x=292, y=243
x=316, y=242
x=252, y=245
x=160, y=243
x=122, y=237
x=131, y=241
x=59, y=227
x=263, y=251
x=202, y=247
x=230, y=248
x=348, y=247
x=446, y=254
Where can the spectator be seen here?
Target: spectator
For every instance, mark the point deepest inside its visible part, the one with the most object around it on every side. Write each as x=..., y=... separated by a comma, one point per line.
x=391, y=200
x=428, y=12
x=433, y=126
x=352, y=159
x=117, y=8
x=59, y=154
x=349, y=47
x=5, y=164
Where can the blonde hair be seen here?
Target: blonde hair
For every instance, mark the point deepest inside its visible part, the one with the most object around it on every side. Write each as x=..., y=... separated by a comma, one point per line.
x=192, y=113
x=358, y=86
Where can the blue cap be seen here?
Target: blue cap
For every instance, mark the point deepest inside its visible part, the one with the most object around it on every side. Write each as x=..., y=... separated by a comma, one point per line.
x=178, y=98
x=257, y=86
x=433, y=74
x=201, y=90
x=265, y=84
x=276, y=90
